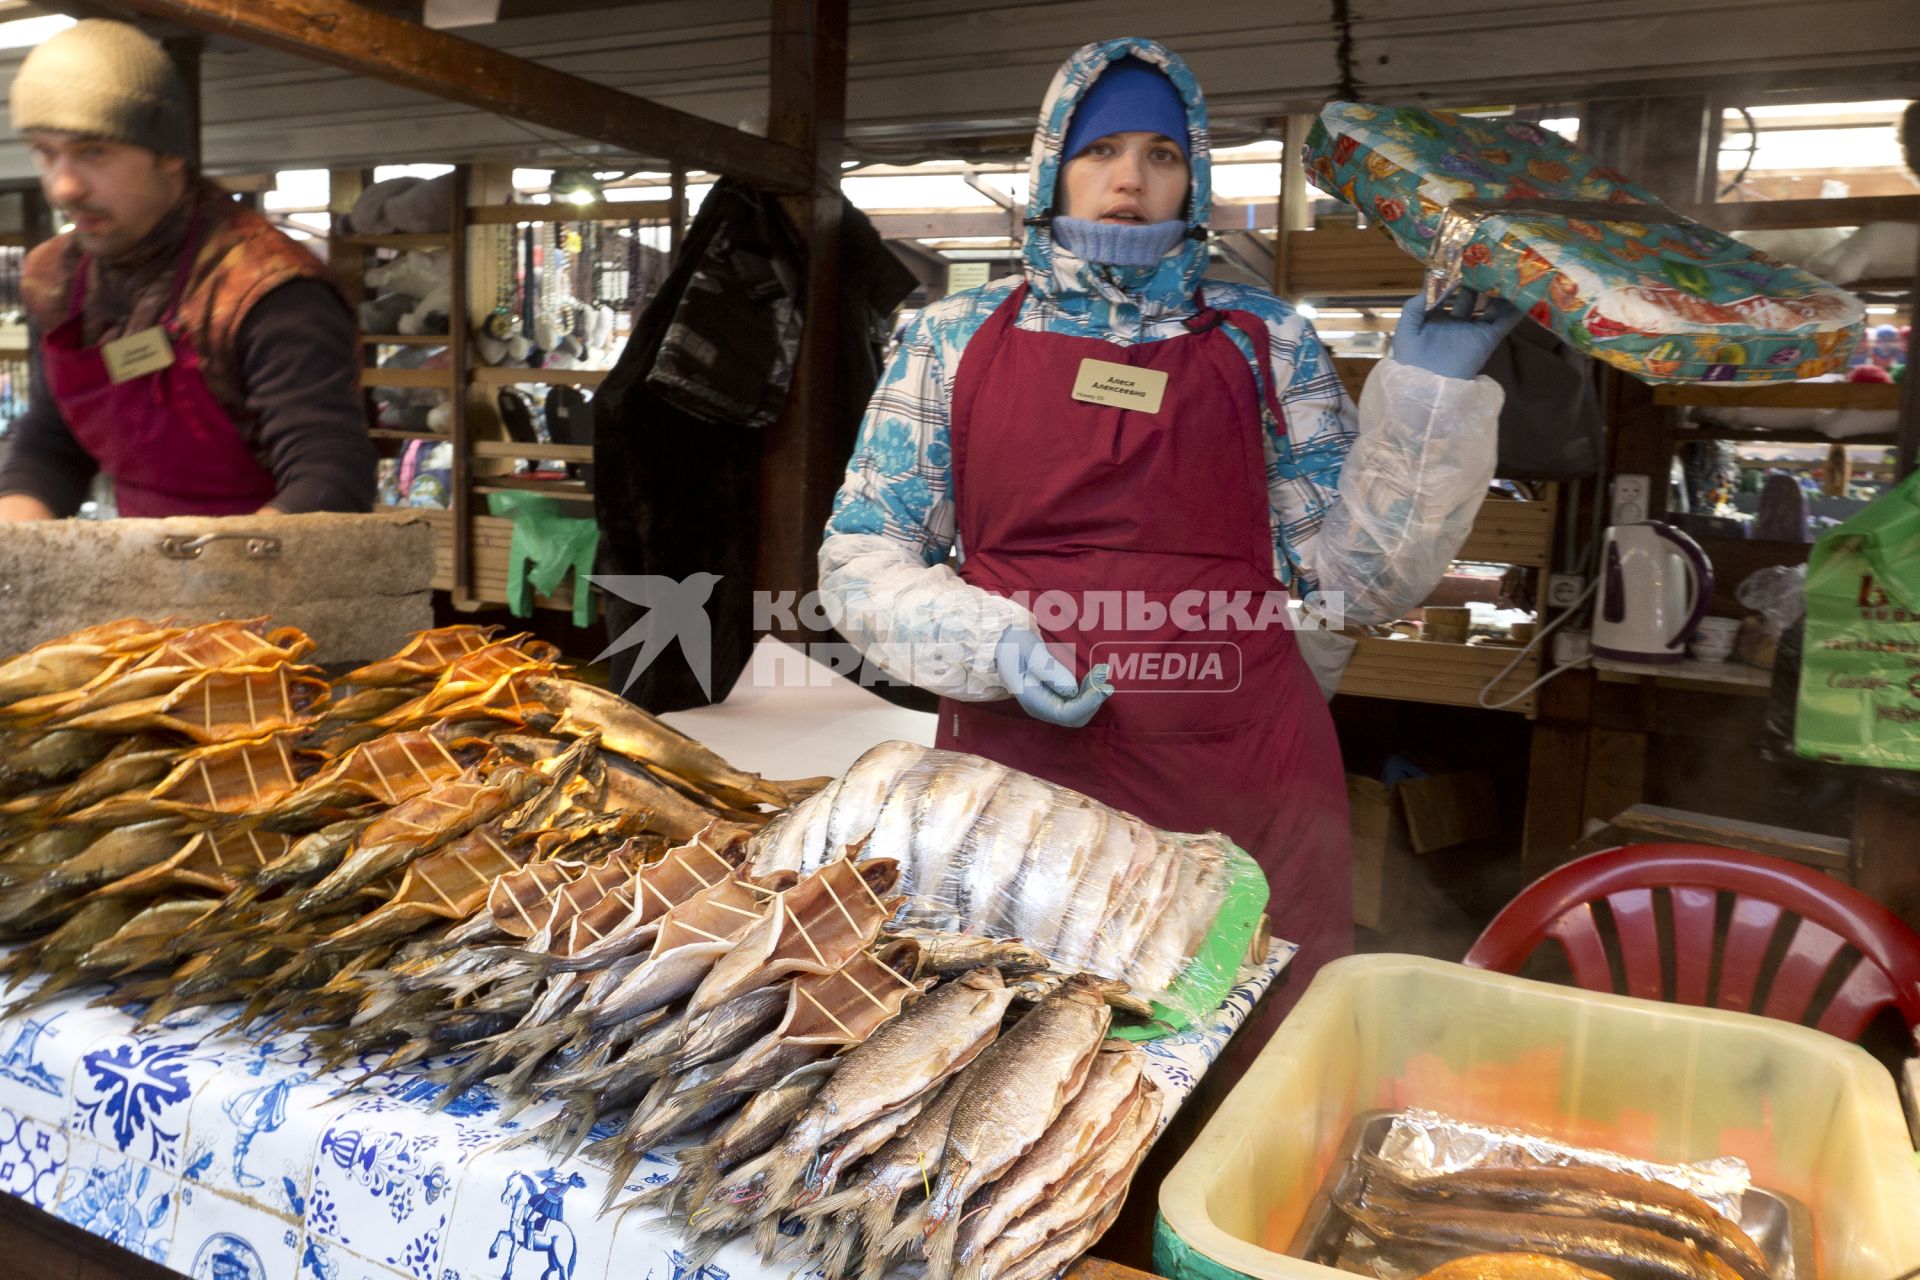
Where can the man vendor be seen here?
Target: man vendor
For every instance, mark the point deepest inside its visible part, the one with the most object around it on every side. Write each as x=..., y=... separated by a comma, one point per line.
x=1239, y=468
x=181, y=344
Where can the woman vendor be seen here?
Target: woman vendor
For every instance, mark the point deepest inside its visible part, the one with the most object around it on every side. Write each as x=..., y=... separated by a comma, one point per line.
x=1118, y=453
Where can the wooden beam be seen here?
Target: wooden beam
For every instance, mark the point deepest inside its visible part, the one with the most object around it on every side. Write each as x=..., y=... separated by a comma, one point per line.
x=803, y=454
x=369, y=43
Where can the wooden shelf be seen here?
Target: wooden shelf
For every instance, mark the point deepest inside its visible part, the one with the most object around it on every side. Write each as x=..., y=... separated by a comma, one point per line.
x=405, y=339
x=571, y=490
x=440, y=240
x=430, y=379
x=1713, y=677
x=1784, y=395
x=495, y=215
x=1428, y=671
x=536, y=452
x=1759, y=435
x=1509, y=532
x=1780, y=215
x=393, y=433
x=489, y=376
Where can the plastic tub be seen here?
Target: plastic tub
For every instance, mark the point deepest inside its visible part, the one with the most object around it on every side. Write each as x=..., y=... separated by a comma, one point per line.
x=1813, y=1116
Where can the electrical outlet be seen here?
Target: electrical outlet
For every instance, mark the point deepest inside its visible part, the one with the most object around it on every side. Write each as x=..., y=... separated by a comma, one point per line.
x=1563, y=590
x=1631, y=496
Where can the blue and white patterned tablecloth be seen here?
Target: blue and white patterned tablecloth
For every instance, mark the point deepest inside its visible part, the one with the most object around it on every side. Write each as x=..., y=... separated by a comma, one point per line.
x=219, y=1157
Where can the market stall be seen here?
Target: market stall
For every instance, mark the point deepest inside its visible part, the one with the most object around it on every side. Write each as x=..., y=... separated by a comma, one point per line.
x=450, y=963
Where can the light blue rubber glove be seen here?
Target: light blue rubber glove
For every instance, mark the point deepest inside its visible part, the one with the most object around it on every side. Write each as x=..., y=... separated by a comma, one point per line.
x=1450, y=342
x=1044, y=685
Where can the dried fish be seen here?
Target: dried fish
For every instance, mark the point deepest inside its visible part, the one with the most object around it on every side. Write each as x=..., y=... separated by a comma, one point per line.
x=1622, y=1252
x=423, y=657
x=421, y=825
x=629, y=731
x=33, y=758
x=72, y=660
x=1098, y=1184
x=218, y=706
x=902, y=1061
x=1601, y=1194
x=815, y=927
x=1015, y=1090
x=1089, y=1123
x=948, y=954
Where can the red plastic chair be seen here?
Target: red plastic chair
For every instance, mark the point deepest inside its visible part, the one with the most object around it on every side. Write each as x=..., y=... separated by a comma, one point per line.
x=1824, y=926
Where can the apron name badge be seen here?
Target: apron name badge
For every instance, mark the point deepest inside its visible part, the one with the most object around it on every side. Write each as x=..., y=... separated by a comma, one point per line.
x=1120, y=385
x=137, y=354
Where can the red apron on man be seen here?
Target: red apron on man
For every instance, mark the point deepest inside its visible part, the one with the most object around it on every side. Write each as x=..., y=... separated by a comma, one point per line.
x=161, y=436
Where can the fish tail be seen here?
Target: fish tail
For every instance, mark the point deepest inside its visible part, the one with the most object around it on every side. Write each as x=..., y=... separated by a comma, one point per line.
x=940, y=1246
x=901, y=1236
x=836, y=1250
x=787, y=1163
x=767, y=1238
x=622, y=1168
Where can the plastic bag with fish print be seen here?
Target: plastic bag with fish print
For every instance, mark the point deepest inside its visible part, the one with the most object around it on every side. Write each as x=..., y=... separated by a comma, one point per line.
x=989, y=850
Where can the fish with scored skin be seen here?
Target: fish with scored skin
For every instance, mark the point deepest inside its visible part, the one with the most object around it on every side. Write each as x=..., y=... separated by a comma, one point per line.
x=1601, y=1194
x=1015, y=1090
x=421, y=825
x=1088, y=1124
x=936, y=1036
x=1088, y=1191
x=1621, y=1252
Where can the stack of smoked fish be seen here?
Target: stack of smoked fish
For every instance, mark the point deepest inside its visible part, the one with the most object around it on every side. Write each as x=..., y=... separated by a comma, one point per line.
x=1546, y=1223
x=193, y=802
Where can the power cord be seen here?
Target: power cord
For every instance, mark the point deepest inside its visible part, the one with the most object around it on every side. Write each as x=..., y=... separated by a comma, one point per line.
x=1520, y=657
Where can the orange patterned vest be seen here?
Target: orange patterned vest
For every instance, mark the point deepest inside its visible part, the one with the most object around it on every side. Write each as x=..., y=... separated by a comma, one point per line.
x=241, y=259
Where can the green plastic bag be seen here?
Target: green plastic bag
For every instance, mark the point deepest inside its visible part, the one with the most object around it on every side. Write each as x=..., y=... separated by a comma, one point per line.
x=1860, y=674
x=1200, y=988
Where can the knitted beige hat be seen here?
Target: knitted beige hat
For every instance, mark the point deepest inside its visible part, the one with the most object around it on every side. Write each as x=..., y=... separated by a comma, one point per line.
x=105, y=80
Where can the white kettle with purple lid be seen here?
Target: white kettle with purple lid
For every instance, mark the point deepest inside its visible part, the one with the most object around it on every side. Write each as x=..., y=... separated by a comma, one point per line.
x=1655, y=585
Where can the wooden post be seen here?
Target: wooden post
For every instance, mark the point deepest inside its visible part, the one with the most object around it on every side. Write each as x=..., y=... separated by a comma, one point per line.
x=368, y=42
x=460, y=356
x=677, y=216
x=799, y=467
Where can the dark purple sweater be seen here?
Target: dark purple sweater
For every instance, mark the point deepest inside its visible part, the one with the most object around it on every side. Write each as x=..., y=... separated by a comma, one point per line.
x=299, y=356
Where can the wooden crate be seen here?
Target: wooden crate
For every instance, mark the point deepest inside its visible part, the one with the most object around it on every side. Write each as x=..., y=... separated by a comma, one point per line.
x=1426, y=671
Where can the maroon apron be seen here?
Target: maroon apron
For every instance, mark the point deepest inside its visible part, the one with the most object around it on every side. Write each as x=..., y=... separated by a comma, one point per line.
x=163, y=438
x=1055, y=494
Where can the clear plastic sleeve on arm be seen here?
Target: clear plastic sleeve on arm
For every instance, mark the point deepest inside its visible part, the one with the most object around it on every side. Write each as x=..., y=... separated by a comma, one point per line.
x=989, y=850
x=1409, y=489
x=919, y=623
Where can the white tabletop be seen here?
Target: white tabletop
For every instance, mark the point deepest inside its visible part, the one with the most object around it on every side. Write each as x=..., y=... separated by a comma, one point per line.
x=789, y=716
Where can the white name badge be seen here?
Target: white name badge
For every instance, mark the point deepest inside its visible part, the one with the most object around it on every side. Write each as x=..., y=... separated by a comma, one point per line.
x=1120, y=385
x=137, y=354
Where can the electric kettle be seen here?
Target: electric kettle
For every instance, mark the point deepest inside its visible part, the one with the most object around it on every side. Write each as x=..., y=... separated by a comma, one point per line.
x=1655, y=584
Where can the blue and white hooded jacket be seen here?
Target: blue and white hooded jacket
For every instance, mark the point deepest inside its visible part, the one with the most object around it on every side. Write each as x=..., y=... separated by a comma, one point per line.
x=1369, y=506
